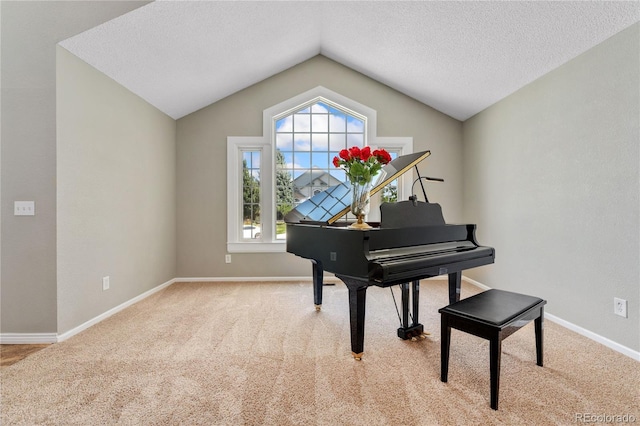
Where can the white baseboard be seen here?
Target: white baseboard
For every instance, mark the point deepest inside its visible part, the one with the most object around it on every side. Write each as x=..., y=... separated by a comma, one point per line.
x=35, y=338
x=582, y=331
x=328, y=277
x=64, y=336
x=240, y=279
x=593, y=336
x=476, y=283
x=27, y=338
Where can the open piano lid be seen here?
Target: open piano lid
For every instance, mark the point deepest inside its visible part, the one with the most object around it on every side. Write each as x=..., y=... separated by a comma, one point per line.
x=328, y=206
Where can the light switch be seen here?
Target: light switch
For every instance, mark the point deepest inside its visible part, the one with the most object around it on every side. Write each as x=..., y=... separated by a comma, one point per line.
x=24, y=208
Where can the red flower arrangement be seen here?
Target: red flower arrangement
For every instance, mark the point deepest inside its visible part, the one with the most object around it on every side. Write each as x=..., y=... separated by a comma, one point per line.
x=361, y=165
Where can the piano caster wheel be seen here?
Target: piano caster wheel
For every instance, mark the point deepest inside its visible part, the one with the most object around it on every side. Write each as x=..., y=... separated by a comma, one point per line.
x=357, y=357
x=318, y=307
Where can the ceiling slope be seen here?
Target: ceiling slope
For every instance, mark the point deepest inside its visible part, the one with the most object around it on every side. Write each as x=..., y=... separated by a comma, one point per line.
x=457, y=57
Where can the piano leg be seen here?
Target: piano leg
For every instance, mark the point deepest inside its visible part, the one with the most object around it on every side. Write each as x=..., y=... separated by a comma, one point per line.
x=405, y=305
x=318, y=272
x=415, y=329
x=415, y=289
x=455, y=279
x=357, y=302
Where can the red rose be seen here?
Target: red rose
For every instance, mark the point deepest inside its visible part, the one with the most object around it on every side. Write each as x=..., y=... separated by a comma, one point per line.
x=344, y=154
x=336, y=161
x=383, y=156
x=365, y=153
x=354, y=151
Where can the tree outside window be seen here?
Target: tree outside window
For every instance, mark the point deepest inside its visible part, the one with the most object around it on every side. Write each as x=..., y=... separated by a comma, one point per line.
x=251, y=194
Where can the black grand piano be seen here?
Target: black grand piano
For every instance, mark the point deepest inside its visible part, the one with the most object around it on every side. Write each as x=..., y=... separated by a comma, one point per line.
x=411, y=242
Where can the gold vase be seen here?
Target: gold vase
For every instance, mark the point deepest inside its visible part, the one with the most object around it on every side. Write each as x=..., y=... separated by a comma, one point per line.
x=360, y=203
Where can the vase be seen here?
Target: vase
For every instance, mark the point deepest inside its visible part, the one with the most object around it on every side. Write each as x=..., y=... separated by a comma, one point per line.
x=360, y=203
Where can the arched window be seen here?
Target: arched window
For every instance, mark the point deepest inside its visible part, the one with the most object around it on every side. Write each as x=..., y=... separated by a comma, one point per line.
x=292, y=161
x=306, y=140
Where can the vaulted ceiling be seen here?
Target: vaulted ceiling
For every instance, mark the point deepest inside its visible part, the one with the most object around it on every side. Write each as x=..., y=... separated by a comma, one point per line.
x=458, y=57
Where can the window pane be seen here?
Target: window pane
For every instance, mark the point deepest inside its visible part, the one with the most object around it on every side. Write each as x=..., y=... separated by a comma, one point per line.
x=320, y=142
x=320, y=160
x=337, y=141
x=338, y=123
x=284, y=141
x=301, y=123
x=284, y=124
x=320, y=123
x=302, y=160
x=250, y=194
x=355, y=139
x=302, y=141
x=355, y=125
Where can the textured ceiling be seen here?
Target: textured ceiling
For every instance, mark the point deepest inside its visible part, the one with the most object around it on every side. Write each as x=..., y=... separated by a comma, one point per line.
x=458, y=57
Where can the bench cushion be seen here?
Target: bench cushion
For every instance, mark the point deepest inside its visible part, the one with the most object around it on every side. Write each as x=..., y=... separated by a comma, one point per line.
x=496, y=307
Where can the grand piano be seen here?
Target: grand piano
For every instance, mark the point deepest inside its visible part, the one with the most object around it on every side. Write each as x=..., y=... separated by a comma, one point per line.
x=411, y=242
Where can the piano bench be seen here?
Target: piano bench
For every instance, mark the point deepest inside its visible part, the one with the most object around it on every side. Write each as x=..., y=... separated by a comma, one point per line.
x=493, y=315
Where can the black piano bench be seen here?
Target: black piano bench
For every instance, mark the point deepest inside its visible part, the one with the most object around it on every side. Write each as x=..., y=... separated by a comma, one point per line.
x=493, y=315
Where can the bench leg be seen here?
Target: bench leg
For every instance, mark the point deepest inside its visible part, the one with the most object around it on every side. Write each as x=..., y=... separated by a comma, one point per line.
x=495, y=349
x=539, y=327
x=445, y=339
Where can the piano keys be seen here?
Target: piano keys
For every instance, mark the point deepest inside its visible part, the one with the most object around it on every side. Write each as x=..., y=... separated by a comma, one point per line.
x=411, y=242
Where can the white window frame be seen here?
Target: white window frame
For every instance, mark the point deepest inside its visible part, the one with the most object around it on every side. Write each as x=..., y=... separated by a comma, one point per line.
x=267, y=242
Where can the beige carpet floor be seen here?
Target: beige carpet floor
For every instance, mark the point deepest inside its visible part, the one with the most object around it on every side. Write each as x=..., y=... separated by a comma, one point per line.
x=259, y=354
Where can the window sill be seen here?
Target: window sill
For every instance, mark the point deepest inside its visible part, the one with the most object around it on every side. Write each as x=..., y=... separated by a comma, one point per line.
x=257, y=247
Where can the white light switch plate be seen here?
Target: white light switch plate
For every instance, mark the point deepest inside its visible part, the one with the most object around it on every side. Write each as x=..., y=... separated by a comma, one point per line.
x=24, y=208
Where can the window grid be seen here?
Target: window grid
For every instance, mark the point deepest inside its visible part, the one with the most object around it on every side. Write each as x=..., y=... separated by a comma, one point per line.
x=306, y=142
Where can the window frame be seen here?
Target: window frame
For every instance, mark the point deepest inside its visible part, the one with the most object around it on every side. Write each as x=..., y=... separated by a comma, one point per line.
x=236, y=145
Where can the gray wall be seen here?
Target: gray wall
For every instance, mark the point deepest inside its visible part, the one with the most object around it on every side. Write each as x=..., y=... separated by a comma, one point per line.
x=551, y=177
x=30, y=31
x=116, y=190
x=202, y=172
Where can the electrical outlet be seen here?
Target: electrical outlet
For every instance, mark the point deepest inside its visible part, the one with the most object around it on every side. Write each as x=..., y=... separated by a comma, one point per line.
x=105, y=283
x=620, y=307
x=227, y=258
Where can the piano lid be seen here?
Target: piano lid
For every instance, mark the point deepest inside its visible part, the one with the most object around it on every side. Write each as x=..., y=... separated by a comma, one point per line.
x=328, y=206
